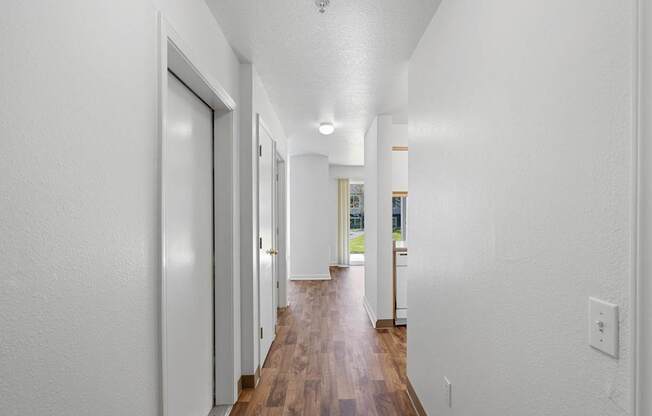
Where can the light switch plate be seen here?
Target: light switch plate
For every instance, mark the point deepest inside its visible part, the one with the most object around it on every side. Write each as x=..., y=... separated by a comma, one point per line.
x=603, y=326
x=448, y=386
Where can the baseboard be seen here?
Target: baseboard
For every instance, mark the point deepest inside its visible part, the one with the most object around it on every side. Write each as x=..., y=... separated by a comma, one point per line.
x=370, y=312
x=375, y=322
x=222, y=410
x=414, y=399
x=249, y=381
x=311, y=277
x=385, y=323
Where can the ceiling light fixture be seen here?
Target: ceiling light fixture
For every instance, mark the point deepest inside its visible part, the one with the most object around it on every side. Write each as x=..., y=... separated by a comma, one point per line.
x=322, y=4
x=326, y=128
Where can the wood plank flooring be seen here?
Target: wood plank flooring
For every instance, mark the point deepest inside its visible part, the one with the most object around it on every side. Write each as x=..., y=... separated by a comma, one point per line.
x=328, y=360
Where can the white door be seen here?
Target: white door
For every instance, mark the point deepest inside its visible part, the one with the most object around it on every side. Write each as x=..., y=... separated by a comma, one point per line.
x=188, y=252
x=267, y=313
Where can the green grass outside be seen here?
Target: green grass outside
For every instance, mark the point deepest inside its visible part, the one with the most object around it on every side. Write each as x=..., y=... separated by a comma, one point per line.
x=356, y=245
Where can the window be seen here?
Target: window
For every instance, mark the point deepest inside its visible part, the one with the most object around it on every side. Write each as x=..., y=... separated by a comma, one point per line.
x=356, y=215
x=399, y=217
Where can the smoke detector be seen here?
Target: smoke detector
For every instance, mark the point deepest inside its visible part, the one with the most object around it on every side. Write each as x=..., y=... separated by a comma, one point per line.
x=322, y=4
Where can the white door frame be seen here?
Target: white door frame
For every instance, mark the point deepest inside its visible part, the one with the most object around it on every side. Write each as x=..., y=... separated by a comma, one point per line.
x=176, y=55
x=275, y=230
x=642, y=286
x=281, y=217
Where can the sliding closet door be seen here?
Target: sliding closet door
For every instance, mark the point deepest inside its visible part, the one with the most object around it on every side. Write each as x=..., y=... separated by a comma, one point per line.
x=188, y=248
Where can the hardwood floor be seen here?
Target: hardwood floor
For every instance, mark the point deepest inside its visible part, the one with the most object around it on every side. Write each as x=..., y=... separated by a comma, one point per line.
x=328, y=360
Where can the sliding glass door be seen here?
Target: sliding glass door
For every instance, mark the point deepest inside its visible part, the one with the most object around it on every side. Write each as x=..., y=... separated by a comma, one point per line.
x=356, y=215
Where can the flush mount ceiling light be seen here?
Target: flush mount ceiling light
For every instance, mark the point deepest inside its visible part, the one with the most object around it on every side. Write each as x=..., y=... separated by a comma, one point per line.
x=326, y=128
x=322, y=4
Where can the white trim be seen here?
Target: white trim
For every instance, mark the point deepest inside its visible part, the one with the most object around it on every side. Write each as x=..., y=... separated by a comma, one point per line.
x=224, y=410
x=282, y=231
x=641, y=285
x=635, y=178
x=370, y=312
x=227, y=268
x=186, y=66
x=311, y=277
x=174, y=54
x=261, y=123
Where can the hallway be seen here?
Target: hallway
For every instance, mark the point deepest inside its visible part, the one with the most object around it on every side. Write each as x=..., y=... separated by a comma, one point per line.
x=327, y=359
x=207, y=207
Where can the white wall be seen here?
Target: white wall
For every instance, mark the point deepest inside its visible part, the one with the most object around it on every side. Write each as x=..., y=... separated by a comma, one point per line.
x=254, y=101
x=399, y=171
x=371, y=219
x=338, y=172
x=521, y=199
x=381, y=136
x=354, y=173
x=79, y=254
x=400, y=158
x=645, y=212
x=309, y=234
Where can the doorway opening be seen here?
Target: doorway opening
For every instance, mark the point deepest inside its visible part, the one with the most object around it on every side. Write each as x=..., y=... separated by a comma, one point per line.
x=356, y=226
x=197, y=217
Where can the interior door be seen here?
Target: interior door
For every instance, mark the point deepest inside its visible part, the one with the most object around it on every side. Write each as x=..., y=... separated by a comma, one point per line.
x=188, y=251
x=267, y=313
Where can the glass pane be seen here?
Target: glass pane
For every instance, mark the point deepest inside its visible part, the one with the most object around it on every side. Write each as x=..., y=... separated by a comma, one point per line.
x=399, y=218
x=356, y=213
x=396, y=218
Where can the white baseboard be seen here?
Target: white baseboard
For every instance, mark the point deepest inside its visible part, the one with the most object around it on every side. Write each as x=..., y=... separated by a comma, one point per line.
x=370, y=312
x=221, y=410
x=311, y=277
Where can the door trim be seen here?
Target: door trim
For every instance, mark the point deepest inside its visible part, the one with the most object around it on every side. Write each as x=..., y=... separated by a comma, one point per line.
x=281, y=217
x=642, y=153
x=175, y=55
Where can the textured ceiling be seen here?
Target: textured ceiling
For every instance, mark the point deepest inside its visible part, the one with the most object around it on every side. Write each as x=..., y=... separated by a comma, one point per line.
x=344, y=66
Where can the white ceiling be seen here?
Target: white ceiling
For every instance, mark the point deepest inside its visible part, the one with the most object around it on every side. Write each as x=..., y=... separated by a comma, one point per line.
x=344, y=66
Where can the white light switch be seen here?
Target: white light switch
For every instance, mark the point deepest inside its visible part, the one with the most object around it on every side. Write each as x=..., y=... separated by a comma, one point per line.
x=603, y=326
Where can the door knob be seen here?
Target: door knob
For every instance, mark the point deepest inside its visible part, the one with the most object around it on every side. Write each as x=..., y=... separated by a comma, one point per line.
x=272, y=252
